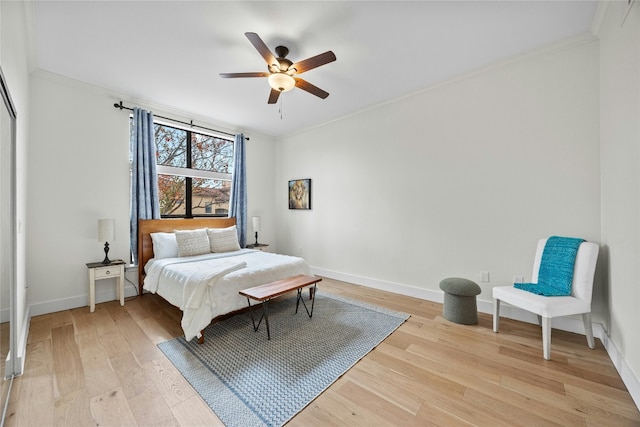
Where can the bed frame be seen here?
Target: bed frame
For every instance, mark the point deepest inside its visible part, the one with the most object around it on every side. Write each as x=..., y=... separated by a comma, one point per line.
x=169, y=225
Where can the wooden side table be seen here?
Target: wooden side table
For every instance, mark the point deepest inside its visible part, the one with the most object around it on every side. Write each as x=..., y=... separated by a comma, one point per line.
x=259, y=247
x=99, y=271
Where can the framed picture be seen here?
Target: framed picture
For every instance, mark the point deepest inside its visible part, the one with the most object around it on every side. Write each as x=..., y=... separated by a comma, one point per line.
x=300, y=194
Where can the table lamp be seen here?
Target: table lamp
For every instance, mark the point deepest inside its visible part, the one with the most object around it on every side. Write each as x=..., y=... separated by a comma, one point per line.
x=106, y=232
x=256, y=226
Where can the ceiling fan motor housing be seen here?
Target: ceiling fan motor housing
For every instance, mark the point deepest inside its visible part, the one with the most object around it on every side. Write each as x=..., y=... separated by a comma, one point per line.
x=283, y=63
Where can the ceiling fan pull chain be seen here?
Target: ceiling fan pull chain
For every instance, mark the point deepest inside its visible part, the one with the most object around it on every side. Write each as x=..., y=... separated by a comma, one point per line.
x=280, y=109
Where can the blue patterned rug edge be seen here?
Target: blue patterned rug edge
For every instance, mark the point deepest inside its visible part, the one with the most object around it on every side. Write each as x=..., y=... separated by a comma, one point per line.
x=403, y=316
x=210, y=390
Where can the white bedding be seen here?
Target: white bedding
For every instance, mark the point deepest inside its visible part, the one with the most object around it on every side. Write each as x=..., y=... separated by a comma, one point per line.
x=207, y=286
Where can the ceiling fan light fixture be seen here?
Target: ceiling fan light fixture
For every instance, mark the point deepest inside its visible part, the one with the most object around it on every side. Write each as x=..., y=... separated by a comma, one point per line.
x=281, y=70
x=281, y=82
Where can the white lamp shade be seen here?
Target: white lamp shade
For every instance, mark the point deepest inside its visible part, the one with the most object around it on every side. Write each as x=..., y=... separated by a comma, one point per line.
x=255, y=221
x=106, y=230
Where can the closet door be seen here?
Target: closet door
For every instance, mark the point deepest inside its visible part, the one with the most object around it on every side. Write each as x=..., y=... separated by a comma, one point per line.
x=7, y=244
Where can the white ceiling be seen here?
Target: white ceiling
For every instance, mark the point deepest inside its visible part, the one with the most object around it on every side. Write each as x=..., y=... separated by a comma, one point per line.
x=169, y=53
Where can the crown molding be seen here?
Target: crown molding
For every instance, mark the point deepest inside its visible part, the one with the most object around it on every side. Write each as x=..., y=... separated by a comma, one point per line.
x=29, y=28
x=132, y=101
x=550, y=49
x=601, y=12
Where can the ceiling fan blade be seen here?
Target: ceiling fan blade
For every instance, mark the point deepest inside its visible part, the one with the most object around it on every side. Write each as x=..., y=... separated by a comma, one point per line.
x=273, y=96
x=262, y=48
x=234, y=75
x=313, y=62
x=314, y=90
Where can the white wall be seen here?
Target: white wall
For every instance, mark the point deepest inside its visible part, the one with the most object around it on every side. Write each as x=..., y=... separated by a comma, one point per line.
x=620, y=158
x=261, y=188
x=14, y=63
x=458, y=179
x=79, y=172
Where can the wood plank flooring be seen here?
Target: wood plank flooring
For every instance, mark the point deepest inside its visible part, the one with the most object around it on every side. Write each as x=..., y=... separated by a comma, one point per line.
x=103, y=369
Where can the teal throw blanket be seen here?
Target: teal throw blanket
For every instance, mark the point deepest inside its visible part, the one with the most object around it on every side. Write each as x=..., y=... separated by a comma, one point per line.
x=556, y=267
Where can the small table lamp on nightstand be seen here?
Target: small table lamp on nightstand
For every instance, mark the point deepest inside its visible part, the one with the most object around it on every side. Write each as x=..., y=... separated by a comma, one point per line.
x=106, y=233
x=255, y=221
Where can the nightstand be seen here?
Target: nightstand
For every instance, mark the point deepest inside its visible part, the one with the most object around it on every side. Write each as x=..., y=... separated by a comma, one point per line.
x=99, y=271
x=259, y=247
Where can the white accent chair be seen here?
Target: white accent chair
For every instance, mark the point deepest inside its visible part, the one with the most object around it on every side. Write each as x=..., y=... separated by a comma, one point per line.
x=548, y=307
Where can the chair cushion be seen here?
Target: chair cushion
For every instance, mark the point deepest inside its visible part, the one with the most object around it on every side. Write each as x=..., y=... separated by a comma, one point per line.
x=460, y=286
x=540, y=304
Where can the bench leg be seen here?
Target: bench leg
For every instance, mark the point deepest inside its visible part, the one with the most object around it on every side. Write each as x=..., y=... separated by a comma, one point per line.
x=312, y=291
x=253, y=322
x=266, y=316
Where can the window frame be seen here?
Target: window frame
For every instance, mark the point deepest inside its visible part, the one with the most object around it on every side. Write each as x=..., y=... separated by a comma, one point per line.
x=189, y=173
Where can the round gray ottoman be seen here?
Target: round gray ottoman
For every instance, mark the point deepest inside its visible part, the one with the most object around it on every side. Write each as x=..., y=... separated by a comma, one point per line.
x=460, y=300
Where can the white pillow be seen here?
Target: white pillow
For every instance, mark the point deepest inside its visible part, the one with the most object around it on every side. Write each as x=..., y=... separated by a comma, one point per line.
x=223, y=239
x=164, y=245
x=192, y=242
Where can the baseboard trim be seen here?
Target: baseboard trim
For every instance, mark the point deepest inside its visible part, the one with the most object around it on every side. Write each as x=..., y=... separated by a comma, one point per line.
x=21, y=349
x=569, y=324
x=78, y=301
x=629, y=378
x=22, y=341
x=412, y=291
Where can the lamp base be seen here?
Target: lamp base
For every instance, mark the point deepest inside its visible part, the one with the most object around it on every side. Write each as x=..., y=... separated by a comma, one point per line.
x=106, y=259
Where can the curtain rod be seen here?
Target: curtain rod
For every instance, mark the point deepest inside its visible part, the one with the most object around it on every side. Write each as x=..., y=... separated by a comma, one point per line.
x=122, y=107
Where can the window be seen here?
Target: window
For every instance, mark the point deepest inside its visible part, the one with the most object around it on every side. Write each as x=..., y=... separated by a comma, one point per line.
x=194, y=172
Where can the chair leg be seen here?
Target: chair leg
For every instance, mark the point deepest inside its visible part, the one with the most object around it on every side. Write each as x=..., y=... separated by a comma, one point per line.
x=546, y=337
x=496, y=314
x=588, y=329
x=539, y=320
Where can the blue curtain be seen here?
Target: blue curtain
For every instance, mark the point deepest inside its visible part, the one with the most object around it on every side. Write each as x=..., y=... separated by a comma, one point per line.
x=144, y=176
x=238, y=201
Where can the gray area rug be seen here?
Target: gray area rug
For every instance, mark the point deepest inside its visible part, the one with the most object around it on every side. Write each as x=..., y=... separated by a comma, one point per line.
x=248, y=380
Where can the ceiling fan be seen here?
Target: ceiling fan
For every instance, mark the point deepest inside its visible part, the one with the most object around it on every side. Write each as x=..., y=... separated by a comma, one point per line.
x=282, y=71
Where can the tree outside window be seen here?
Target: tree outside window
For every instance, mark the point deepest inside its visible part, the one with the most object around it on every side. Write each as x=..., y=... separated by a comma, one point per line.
x=194, y=172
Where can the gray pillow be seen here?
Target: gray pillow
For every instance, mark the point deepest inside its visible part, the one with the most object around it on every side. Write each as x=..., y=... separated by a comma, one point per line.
x=223, y=239
x=192, y=242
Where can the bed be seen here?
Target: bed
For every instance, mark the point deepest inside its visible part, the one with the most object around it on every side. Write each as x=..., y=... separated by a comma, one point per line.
x=203, y=285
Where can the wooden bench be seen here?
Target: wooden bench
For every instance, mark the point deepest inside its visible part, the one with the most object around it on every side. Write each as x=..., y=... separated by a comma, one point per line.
x=265, y=293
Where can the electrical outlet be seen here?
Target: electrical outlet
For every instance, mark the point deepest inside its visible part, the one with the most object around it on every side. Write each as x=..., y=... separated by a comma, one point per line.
x=484, y=276
x=518, y=279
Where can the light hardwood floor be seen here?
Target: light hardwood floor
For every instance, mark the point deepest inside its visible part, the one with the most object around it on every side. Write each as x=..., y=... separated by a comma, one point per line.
x=103, y=368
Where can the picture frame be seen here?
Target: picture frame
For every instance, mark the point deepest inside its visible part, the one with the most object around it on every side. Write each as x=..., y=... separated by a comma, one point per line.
x=300, y=194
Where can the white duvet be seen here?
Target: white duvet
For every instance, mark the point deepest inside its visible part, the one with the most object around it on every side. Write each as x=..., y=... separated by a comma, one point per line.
x=207, y=286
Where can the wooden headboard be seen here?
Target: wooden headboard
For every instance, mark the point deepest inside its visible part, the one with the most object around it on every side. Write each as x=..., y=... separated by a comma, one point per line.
x=169, y=225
